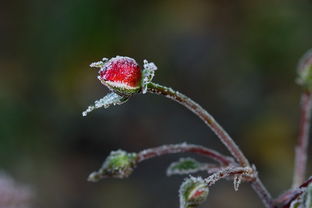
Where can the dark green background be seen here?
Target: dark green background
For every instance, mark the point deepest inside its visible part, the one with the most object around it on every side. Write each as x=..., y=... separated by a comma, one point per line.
x=237, y=58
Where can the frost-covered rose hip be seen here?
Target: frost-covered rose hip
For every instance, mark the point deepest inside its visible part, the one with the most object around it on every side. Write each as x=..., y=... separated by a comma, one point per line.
x=121, y=74
x=124, y=77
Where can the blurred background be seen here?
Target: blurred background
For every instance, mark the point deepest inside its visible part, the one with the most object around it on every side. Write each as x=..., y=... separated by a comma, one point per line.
x=236, y=58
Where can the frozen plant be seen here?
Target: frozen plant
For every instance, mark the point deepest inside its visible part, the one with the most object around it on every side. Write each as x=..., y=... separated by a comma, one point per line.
x=124, y=77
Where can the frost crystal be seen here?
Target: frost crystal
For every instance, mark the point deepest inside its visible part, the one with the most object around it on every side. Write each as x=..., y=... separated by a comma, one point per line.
x=108, y=100
x=147, y=74
x=184, y=166
x=237, y=181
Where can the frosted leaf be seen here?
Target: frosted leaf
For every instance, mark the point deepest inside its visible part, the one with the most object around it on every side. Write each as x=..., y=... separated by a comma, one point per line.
x=108, y=100
x=147, y=74
x=237, y=181
x=99, y=64
x=184, y=166
x=193, y=192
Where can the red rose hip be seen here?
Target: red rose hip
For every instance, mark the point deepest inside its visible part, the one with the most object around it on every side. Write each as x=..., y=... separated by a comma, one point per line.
x=121, y=74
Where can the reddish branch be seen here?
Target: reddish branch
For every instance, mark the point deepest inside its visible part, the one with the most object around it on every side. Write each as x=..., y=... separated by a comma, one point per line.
x=303, y=140
x=218, y=130
x=179, y=148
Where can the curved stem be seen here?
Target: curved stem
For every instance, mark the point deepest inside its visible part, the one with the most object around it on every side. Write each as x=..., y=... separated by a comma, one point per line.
x=303, y=139
x=205, y=116
x=178, y=148
x=217, y=129
x=262, y=192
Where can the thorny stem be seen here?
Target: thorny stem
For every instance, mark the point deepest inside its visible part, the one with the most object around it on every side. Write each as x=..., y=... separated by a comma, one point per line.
x=178, y=148
x=217, y=129
x=303, y=139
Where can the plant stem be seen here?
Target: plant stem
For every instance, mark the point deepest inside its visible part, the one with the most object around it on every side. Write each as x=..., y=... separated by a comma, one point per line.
x=205, y=116
x=226, y=172
x=178, y=148
x=262, y=192
x=303, y=139
x=217, y=129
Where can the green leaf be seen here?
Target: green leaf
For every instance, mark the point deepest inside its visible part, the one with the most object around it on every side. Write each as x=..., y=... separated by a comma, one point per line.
x=184, y=166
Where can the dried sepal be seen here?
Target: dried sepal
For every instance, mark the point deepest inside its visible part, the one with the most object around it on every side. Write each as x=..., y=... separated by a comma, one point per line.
x=119, y=164
x=193, y=191
x=148, y=74
x=110, y=99
x=184, y=166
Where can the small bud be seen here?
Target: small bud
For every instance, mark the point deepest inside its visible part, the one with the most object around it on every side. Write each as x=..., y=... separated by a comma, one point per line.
x=119, y=164
x=296, y=204
x=121, y=74
x=304, y=200
x=307, y=199
x=193, y=192
x=305, y=71
x=184, y=166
